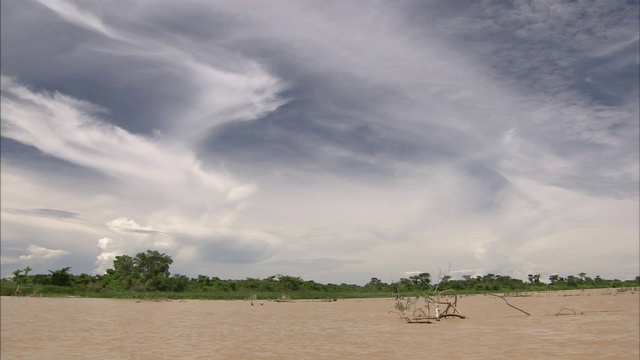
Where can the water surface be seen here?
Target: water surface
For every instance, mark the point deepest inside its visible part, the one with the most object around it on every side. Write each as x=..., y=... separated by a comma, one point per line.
x=607, y=326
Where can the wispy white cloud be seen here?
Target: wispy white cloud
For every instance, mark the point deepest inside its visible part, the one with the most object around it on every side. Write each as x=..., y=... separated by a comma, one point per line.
x=66, y=128
x=37, y=253
x=169, y=187
x=219, y=93
x=128, y=225
x=78, y=16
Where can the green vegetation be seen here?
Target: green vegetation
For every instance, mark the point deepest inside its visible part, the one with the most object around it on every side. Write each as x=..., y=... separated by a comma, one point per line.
x=146, y=275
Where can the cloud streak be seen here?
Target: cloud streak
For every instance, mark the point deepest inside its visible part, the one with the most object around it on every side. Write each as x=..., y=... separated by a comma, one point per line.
x=222, y=94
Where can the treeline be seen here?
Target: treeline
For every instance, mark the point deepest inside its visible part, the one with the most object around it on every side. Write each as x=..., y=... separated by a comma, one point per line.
x=147, y=274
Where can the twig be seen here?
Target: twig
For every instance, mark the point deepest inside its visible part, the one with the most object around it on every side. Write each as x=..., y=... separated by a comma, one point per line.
x=505, y=300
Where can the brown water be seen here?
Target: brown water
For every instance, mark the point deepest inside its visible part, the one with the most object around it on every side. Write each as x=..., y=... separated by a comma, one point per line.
x=607, y=326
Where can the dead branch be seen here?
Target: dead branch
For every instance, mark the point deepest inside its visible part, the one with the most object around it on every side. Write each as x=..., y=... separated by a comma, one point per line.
x=559, y=312
x=505, y=300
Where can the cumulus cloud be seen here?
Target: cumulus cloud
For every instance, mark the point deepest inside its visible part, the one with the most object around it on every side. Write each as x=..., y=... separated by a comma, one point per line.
x=108, y=253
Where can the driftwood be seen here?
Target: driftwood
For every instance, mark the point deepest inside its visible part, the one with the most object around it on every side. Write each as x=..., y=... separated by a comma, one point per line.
x=418, y=315
x=505, y=300
x=451, y=310
x=283, y=298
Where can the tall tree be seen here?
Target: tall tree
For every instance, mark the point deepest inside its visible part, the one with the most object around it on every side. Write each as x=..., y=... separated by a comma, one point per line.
x=124, y=271
x=18, y=275
x=152, y=265
x=124, y=266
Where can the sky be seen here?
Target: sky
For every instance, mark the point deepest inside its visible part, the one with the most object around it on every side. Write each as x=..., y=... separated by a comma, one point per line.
x=336, y=140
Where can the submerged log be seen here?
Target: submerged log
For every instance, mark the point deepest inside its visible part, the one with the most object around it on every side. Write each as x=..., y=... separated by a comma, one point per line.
x=454, y=315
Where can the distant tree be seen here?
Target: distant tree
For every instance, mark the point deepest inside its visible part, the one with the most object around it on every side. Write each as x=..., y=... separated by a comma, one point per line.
x=160, y=282
x=39, y=279
x=203, y=280
x=582, y=276
x=251, y=283
x=124, y=274
x=269, y=284
x=375, y=284
x=19, y=278
x=534, y=279
x=18, y=275
x=152, y=264
x=146, y=271
x=421, y=280
x=405, y=285
x=82, y=279
x=179, y=282
x=61, y=277
x=290, y=283
x=310, y=285
x=124, y=267
x=616, y=283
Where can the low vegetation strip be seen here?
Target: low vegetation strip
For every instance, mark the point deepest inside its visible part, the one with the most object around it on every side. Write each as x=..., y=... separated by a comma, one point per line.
x=146, y=275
